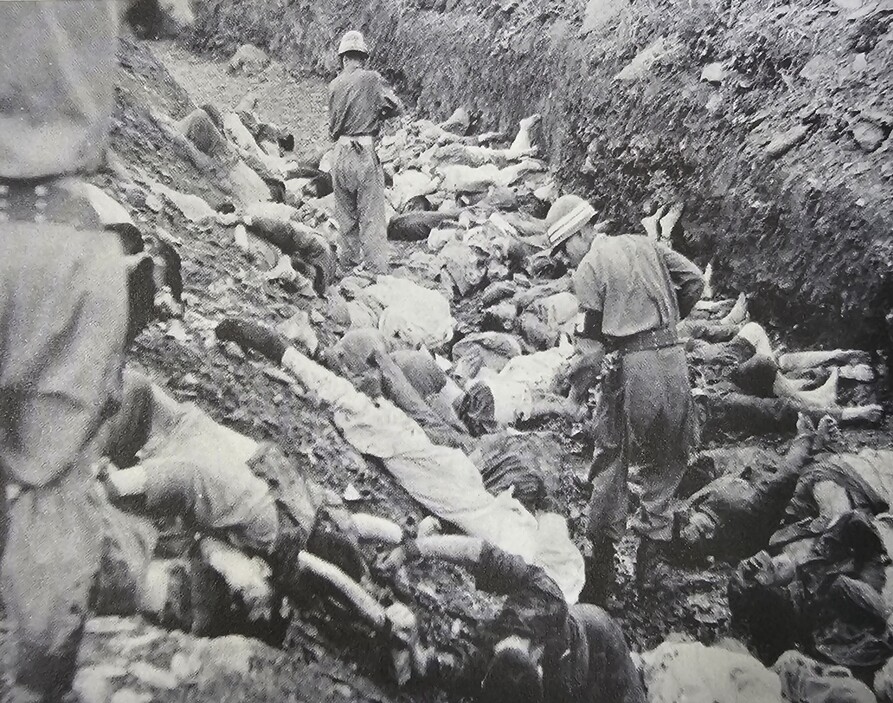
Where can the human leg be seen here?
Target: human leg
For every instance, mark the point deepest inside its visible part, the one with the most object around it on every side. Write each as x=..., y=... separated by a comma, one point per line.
x=63, y=307
x=371, y=211
x=344, y=185
x=608, y=502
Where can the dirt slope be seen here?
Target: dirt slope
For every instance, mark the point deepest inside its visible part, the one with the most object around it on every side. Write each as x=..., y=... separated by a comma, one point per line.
x=806, y=232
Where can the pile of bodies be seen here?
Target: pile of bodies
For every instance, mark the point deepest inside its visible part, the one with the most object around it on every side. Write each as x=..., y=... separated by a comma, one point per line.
x=447, y=407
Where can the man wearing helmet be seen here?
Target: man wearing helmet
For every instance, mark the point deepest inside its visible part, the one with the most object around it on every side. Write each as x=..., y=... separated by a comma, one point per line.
x=359, y=100
x=633, y=292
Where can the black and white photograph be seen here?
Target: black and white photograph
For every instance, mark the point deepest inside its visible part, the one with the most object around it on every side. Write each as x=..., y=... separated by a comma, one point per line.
x=446, y=351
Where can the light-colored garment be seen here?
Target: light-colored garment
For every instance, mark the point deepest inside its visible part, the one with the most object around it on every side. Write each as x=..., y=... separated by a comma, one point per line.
x=358, y=185
x=690, y=672
x=57, y=86
x=633, y=282
x=63, y=316
x=358, y=100
x=443, y=480
x=404, y=311
x=804, y=680
x=204, y=464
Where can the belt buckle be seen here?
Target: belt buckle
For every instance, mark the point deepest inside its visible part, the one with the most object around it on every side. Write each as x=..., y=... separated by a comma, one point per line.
x=20, y=198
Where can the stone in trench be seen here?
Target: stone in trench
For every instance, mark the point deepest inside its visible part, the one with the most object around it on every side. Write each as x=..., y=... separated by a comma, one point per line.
x=785, y=141
x=713, y=73
x=249, y=59
x=868, y=135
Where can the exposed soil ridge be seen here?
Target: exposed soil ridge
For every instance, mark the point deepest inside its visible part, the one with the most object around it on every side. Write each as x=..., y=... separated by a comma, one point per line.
x=782, y=154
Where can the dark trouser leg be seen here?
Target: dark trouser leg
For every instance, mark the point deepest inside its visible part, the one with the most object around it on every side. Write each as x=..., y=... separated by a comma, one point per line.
x=659, y=412
x=658, y=407
x=608, y=503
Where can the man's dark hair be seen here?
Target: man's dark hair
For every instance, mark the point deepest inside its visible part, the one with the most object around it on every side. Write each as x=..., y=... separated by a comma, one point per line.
x=537, y=615
x=355, y=55
x=131, y=238
x=145, y=19
x=513, y=677
x=140, y=296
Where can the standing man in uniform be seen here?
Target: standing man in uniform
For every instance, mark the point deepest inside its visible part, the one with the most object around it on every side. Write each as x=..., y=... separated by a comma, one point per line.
x=633, y=291
x=63, y=321
x=359, y=100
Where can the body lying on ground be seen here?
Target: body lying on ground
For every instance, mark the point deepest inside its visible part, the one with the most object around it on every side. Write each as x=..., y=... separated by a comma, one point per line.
x=537, y=649
x=735, y=515
x=181, y=464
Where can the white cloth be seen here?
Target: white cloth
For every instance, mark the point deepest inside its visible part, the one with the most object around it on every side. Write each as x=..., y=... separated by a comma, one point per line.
x=443, y=480
x=415, y=315
x=689, y=672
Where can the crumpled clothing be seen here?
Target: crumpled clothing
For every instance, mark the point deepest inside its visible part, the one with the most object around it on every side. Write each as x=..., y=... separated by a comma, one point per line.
x=443, y=480
x=522, y=462
x=411, y=379
x=468, y=179
x=461, y=267
x=546, y=319
x=203, y=464
x=742, y=509
x=833, y=600
x=415, y=315
x=416, y=226
x=883, y=683
x=128, y=545
x=500, y=318
x=804, y=680
x=873, y=466
x=409, y=184
x=483, y=350
x=310, y=252
x=494, y=401
x=689, y=672
x=838, y=470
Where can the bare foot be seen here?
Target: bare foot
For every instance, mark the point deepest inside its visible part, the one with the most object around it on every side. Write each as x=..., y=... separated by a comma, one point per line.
x=871, y=414
x=827, y=434
x=651, y=223
x=738, y=314
x=668, y=221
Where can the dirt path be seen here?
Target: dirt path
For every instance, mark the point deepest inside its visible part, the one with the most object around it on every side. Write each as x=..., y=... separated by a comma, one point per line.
x=295, y=102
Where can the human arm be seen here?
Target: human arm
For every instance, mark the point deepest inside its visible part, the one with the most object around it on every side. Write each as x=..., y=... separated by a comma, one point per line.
x=686, y=277
x=400, y=391
x=525, y=298
x=390, y=105
x=333, y=117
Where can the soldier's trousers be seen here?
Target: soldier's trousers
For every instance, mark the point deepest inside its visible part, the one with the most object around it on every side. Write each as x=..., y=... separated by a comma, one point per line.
x=644, y=417
x=358, y=182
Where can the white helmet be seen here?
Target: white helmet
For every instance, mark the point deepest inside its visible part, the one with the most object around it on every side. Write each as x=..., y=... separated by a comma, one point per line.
x=353, y=41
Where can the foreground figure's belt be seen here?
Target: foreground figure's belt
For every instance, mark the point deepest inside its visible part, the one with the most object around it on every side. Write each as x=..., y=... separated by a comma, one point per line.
x=364, y=140
x=43, y=200
x=650, y=339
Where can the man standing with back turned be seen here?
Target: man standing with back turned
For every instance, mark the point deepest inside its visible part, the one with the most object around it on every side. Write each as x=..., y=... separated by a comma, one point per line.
x=63, y=319
x=633, y=292
x=359, y=100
